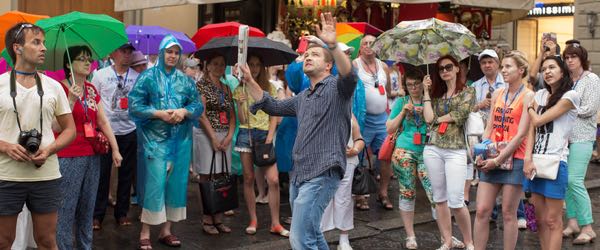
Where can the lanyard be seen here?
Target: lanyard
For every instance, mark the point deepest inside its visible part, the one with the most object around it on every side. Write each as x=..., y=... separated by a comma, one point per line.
x=447, y=102
x=506, y=99
x=84, y=101
x=416, y=117
x=118, y=78
x=576, y=82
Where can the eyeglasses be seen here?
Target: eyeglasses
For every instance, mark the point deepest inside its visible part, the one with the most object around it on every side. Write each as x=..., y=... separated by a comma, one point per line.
x=84, y=59
x=413, y=85
x=568, y=57
x=23, y=26
x=448, y=67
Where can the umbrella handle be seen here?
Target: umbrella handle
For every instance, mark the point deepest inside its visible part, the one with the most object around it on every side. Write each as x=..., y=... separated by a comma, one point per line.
x=69, y=57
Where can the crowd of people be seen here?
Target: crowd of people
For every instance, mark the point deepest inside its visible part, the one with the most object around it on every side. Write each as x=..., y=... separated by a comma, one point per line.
x=161, y=121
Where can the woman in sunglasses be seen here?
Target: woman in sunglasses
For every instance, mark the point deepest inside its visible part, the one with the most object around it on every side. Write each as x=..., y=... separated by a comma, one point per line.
x=507, y=125
x=79, y=163
x=447, y=103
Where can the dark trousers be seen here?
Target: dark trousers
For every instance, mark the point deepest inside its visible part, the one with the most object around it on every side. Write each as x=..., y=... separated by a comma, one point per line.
x=128, y=149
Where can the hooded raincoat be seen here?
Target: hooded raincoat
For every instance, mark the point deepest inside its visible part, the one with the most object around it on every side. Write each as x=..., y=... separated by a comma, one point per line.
x=165, y=149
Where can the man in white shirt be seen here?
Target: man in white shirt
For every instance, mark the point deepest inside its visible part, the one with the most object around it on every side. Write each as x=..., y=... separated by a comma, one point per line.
x=29, y=171
x=114, y=83
x=492, y=80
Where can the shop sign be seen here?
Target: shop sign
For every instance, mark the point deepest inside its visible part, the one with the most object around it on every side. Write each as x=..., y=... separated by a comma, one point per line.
x=548, y=10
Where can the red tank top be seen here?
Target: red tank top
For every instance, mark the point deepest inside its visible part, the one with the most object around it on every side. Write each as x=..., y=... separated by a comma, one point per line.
x=512, y=117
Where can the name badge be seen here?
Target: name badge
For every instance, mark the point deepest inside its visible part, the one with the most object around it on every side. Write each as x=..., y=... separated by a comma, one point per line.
x=124, y=103
x=381, y=90
x=442, y=128
x=88, y=130
x=417, y=139
x=223, y=119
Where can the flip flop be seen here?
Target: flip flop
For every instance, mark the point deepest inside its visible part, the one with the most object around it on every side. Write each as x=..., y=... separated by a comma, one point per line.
x=280, y=230
x=170, y=240
x=144, y=244
x=251, y=229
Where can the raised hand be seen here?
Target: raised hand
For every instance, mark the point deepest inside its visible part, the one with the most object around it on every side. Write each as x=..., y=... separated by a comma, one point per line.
x=327, y=30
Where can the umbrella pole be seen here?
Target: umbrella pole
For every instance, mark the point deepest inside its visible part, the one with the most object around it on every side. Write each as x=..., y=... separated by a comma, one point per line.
x=69, y=57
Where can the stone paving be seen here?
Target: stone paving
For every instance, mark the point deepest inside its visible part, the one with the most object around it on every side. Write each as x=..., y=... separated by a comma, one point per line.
x=374, y=229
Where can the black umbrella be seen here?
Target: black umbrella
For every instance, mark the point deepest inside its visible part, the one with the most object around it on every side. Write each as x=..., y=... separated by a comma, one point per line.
x=271, y=52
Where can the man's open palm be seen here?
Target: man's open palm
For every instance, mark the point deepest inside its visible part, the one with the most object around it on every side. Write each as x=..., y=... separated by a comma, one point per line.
x=327, y=30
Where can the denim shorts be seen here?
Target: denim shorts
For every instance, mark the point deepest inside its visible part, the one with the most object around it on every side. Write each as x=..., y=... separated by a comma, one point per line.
x=243, y=142
x=498, y=176
x=555, y=189
x=40, y=196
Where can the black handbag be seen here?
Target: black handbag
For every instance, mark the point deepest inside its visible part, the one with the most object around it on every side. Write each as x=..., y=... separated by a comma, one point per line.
x=219, y=194
x=263, y=154
x=364, y=181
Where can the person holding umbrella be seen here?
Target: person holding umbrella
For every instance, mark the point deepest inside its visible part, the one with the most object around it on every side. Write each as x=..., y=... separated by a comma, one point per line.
x=30, y=173
x=79, y=163
x=164, y=105
x=447, y=103
x=324, y=113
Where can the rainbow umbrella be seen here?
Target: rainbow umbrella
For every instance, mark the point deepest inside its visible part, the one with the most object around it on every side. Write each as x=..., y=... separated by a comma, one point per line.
x=352, y=33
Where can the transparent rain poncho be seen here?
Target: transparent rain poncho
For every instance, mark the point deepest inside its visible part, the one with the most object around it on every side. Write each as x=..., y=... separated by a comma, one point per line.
x=164, y=151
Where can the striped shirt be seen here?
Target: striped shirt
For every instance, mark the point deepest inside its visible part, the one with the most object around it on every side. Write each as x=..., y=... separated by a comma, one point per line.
x=324, y=114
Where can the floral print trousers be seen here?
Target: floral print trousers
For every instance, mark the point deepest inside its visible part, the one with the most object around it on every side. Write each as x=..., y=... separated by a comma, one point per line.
x=408, y=165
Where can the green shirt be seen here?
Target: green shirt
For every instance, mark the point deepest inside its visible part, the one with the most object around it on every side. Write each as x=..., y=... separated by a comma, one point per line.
x=410, y=126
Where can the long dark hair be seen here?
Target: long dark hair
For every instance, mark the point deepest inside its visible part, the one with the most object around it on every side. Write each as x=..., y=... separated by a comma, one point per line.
x=564, y=84
x=439, y=88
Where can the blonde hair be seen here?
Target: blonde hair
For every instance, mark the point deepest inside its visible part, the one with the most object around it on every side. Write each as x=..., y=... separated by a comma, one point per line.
x=520, y=59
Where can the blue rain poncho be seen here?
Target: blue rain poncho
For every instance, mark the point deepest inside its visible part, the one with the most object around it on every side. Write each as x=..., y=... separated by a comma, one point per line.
x=166, y=149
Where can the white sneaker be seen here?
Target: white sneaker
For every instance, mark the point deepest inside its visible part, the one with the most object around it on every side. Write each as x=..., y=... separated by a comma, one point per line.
x=344, y=246
x=522, y=223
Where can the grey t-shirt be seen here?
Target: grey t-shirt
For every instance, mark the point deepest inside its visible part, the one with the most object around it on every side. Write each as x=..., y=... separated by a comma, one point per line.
x=114, y=90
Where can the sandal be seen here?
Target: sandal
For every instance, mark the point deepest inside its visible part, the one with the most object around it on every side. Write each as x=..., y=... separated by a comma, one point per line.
x=411, y=243
x=144, y=244
x=229, y=213
x=584, y=238
x=251, y=229
x=456, y=243
x=170, y=240
x=222, y=228
x=385, y=202
x=124, y=221
x=96, y=225
x=209, y=229
x=362, y=203
x=569, y=232
x=280, y=230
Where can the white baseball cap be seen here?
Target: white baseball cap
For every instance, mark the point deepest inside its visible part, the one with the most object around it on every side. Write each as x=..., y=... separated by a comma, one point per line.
x=345, y=47
x=488, y=52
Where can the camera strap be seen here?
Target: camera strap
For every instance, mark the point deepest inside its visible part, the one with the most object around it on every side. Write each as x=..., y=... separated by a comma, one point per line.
x=13, y=94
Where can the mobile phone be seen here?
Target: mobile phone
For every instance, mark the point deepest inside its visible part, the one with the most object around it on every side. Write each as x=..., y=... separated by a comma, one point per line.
x=302, y=45
x=549, y=36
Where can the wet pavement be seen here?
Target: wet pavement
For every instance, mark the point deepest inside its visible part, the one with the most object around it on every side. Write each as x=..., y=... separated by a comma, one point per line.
x=374, y=229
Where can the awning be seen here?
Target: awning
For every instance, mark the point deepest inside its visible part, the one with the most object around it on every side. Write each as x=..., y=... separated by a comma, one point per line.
x=123, y=5
x=504, y=4
x=502, y=11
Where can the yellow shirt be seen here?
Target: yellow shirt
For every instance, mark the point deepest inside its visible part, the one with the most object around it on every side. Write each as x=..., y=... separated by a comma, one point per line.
x=55, y=103
x=258, y=121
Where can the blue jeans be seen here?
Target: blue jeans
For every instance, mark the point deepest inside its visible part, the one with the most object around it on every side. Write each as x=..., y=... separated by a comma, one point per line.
x=308, y=201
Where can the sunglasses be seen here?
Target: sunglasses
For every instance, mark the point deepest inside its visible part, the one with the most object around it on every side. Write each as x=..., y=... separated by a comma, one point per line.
x=23, y=26
x=448, y=67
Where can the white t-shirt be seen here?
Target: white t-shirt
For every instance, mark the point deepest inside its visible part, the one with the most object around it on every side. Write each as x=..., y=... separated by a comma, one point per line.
x=107, y=84
x=552, y=137
x=376, y=101
x=55, y=103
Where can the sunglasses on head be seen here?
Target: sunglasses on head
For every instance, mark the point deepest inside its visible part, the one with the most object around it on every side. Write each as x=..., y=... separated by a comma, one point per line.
x=448, y=67
x=23, y=26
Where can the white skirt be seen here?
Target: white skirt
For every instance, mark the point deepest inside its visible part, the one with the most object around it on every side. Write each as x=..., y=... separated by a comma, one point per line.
x=340, y=211
x=202, y=153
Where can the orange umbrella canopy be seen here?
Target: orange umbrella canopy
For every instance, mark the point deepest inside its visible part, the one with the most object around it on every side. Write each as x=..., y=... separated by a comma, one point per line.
x=9, y=19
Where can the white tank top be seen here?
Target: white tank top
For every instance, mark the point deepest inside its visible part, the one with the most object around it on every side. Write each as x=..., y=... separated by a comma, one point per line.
x=376, y=102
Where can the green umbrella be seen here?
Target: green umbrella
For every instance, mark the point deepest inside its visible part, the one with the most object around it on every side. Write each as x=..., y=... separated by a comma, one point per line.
x=102, y=33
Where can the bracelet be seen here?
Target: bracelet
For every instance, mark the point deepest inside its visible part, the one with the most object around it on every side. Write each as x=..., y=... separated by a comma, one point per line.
x=332, y=47
x=428, y=100
x=359, y=139
x=496, y=163
x=530, y=107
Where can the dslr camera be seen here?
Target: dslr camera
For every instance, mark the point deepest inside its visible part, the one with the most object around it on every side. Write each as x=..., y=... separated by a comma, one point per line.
x=30, y=140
